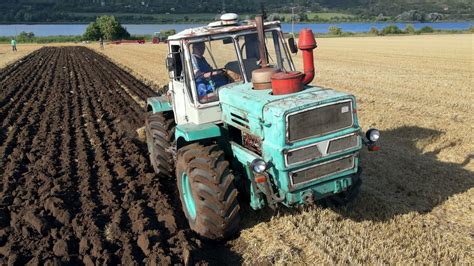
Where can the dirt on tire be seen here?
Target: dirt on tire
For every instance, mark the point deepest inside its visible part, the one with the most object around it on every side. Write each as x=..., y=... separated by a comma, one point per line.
x=76, y=184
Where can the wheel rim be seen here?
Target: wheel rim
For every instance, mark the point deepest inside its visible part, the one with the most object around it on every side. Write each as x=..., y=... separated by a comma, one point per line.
x=188, y=199
x=149, y=140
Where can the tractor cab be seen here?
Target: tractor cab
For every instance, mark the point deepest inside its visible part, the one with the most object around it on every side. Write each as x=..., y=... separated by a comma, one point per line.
x=203, y=60
x=238, y=118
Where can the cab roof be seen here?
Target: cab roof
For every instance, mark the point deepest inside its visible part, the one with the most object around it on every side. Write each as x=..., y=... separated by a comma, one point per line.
x=215, y=30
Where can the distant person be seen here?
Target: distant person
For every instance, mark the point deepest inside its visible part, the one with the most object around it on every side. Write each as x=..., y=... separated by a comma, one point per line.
x=14, y=45
x=101, y=41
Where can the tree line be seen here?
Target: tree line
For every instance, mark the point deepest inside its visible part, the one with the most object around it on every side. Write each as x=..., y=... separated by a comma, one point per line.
x=73, y=11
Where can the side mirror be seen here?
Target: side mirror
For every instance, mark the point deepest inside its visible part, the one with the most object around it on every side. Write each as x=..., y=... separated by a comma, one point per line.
x=292, y=45
x=170, y=64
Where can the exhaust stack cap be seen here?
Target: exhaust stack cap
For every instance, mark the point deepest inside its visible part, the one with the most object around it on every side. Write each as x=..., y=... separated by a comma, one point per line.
x=306, y=40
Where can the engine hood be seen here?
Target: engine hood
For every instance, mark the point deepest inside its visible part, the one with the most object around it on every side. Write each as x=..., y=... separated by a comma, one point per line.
x=253, y=102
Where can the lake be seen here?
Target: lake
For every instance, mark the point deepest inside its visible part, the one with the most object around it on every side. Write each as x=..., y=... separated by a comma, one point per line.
x=78, y=29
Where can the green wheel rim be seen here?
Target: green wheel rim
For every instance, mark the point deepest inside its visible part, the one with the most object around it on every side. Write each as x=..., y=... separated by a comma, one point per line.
x=188, y=196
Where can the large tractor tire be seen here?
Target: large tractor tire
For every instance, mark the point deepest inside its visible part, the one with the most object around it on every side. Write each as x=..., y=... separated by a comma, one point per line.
x=207, y=191
x=160, y=128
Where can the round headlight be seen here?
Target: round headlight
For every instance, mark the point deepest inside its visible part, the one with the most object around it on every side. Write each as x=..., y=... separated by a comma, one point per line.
x=373, y=134
x=259, y=166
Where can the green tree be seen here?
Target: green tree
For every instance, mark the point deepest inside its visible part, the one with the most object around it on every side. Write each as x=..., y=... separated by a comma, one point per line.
x=410, y=29
x=303, y=16
x=374, y=31
x=107, y=27
x=392, y=29
x=335, y=30
x=92, y=32
x=426, y=29
x=111, y=29
x=25, y=36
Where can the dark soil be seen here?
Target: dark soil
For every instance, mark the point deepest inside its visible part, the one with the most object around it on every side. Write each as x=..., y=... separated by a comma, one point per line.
x=76, y=185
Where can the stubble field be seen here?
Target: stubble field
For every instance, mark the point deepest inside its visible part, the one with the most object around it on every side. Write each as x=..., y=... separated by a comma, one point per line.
x=7, y=56
x=416, y=203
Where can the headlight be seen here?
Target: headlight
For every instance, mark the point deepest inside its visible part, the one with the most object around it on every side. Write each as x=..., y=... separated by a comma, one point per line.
x=373, y=135
x=259, y=166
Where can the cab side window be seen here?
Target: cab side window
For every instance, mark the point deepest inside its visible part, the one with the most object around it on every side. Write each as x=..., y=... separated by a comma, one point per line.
x=177, y=54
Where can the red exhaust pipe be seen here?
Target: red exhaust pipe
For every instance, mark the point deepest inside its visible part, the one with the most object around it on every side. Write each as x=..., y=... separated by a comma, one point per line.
x=307, y=44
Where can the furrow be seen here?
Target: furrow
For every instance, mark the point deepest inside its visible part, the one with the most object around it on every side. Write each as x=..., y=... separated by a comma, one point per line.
x=13, y=91
x=13, y=152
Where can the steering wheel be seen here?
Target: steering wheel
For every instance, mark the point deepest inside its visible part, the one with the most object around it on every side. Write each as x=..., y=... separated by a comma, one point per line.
x=221, y=71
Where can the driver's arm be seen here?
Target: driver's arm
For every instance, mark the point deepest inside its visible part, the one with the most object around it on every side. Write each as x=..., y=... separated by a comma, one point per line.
x=198, y=72
x=209, y=74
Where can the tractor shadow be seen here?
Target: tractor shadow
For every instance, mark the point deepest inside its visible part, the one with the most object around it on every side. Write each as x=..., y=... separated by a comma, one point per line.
x=401, y=178
x=398, y=179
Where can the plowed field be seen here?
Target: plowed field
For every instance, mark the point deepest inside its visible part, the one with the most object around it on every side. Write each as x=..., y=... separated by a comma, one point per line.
x=76, y=184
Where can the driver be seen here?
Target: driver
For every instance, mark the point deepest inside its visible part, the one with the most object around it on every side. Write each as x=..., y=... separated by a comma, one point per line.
x=207, y=80
x=200, y=65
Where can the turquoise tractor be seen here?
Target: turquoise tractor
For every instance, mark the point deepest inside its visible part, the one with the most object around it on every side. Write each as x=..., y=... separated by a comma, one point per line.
x=239, y=125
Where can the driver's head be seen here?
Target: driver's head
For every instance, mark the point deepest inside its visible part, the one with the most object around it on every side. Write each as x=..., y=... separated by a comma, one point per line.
x=199, y=48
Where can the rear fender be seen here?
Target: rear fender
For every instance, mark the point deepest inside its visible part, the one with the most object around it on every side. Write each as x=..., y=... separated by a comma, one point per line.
x=158, y=104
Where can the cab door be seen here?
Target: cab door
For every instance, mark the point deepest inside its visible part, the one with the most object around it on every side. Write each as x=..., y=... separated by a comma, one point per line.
x=178, y=81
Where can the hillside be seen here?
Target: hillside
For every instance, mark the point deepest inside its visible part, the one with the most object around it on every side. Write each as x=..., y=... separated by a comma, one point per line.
x=151, y=11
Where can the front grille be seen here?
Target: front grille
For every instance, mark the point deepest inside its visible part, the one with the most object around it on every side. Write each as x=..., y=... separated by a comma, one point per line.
x=321, y=149
x=322, y=170
x=303, y=155
x=342, y=144
x=318, y=121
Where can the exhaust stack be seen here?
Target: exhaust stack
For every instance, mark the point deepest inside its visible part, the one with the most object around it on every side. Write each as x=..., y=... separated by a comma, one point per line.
x=307, y=44
x=291, y=82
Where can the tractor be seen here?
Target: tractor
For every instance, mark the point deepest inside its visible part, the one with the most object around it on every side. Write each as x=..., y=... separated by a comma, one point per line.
x=239, y=125
x=162, y=36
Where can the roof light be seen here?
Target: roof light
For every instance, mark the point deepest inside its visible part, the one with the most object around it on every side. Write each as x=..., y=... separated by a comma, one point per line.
x=229, y=19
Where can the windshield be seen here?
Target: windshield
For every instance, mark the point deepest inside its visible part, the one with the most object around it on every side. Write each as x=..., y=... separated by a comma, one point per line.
x=276, y=55
x=214, y=63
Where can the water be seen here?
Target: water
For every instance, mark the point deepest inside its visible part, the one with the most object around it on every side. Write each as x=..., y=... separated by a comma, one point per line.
x=78, y=29
x=365, y=27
